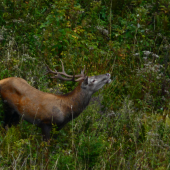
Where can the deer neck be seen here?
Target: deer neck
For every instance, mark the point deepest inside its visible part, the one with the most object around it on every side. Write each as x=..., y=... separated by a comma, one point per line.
x=77, y=100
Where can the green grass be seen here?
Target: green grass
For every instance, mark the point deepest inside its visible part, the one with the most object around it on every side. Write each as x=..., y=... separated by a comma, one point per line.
x=116, y=140
x=127, y=124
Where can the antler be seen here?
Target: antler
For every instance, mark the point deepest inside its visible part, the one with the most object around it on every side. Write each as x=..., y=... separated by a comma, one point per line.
x=71, y=77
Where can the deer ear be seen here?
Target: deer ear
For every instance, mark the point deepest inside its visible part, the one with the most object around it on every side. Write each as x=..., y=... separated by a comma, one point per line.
x=86, y=80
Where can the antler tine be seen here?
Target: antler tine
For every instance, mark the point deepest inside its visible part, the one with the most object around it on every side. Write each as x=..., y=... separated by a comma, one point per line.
x=65, y=74
x=63, y=71
x=50, y=71
x=82, y=71
x=62, y=66
x=70, y=77
x=63, y=78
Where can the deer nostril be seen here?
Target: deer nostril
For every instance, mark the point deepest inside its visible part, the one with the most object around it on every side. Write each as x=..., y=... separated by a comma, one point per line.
x=107, y=74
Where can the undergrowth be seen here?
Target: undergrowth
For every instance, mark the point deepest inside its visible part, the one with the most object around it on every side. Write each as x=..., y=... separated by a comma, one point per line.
x=127, y=124
x=125, y=139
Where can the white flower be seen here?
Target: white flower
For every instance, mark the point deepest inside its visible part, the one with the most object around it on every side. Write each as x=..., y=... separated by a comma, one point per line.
x=155, y=55
x=147, y=53
x=138, y=25
x=136, y=54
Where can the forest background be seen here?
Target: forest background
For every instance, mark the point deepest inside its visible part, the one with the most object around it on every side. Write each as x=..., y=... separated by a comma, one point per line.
x=126, y=125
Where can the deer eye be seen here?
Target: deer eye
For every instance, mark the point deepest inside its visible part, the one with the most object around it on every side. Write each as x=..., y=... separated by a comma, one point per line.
x=93, y=81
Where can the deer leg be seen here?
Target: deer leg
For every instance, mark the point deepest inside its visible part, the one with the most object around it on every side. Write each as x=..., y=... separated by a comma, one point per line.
x=11, y=117
x=46, y=131
x=46, y=137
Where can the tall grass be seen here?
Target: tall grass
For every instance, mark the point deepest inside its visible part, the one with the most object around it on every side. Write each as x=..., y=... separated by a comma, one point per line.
x=127, y=124
x=125, y=139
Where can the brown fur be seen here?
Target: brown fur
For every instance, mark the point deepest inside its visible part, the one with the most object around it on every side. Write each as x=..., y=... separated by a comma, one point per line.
x=38, y=107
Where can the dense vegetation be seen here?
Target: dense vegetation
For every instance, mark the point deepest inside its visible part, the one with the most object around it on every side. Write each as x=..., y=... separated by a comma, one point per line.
x=126, y=125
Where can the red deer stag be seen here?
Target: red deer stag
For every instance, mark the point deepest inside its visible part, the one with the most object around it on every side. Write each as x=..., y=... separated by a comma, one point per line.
x=44, y=109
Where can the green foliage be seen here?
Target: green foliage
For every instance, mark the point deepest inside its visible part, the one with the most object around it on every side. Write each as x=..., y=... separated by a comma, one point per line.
x=63, y=161
x=91, y=147
x=128, y=126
